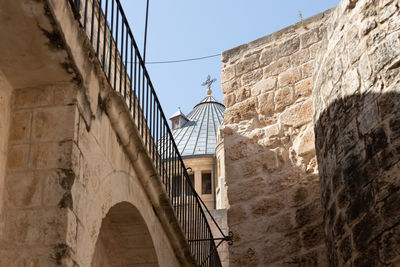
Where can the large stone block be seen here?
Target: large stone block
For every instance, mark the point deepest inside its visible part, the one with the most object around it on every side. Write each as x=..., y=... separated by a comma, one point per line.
x=54, y=124
x=283, y=98
x=266, y=103
x=20, y=129
x=23, y=190
x=277, y=67
x=289, y=77
x=303, y=88
x=51, y=155
x=18, y=157
x=254, y=187
x=33, y=97
x=290, y=46
x=35, y=227
x=305, y=142
x=297, y=115
x=263, y=86
x=309, y=38
x=279, y=248
x=385, y=52
x=268, y=206
x=228, y=73
x=248, y=64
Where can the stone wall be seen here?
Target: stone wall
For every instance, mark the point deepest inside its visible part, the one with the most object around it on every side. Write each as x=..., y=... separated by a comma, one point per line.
x=5, y=99
x=220, y=217
x=39, y=151
x=271, y=170
x=74, y=152
x=356, y=99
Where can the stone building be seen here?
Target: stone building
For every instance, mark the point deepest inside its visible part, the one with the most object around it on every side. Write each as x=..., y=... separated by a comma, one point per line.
x=311, y=132
x=196, y=138
x=199, y=143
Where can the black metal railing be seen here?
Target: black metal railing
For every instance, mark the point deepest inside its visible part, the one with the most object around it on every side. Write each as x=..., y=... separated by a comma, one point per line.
x=112, y=40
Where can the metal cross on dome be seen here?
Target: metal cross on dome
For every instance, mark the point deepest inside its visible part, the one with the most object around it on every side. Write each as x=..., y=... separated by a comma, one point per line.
x=209, y=82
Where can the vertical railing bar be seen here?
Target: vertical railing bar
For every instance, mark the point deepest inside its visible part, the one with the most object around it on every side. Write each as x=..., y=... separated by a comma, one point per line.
x=156, y=148
x=183, y=202
x=85, y=15
x=142, y=106
x=139, y=95
x=153, y=128
x=147, y=111
x=178, y=204
x=105, y=36
x=174, y=182
x=163, y=151
x=134, y=90
x=150, y=124
x=98, y=28
x=92, y=25
x=126, y=61
x=121, y=56
x=116, y=49
x=181, y=195
x=169, y=168
x=131, y=80
x=111, y=40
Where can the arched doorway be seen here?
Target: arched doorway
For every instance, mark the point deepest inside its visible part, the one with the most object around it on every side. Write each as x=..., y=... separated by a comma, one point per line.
x=124, y=239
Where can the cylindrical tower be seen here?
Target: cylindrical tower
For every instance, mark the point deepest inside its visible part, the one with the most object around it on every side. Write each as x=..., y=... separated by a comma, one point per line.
x=356, y=110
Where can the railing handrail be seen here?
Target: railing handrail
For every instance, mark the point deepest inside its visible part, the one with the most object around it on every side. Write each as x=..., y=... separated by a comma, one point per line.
x=158, y=139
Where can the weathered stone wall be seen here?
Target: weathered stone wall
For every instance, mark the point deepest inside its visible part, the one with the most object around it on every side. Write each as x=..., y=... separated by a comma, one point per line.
x=220, y=217
x=5, y=100
x=39, y=151
x=73, y=151
x=356, y=99
x=271, y=171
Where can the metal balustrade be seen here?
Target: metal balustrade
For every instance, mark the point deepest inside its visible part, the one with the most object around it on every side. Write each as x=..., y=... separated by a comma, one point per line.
x=112, y=40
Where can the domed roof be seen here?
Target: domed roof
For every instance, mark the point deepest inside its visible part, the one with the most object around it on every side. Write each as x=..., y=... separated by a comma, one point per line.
x=198, y=136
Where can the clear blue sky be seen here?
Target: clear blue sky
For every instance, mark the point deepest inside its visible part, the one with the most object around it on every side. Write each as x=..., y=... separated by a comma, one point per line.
x=187, y=29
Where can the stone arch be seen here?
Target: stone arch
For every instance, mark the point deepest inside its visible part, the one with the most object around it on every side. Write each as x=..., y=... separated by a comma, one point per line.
x=116, y=188
x=124, y=239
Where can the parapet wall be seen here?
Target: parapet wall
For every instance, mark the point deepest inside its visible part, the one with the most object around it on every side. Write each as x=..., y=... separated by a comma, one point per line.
x=356, y=98
x=271, y=169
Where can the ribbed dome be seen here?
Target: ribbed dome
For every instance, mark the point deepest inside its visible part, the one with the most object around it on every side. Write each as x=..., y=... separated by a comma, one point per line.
x=198, y=136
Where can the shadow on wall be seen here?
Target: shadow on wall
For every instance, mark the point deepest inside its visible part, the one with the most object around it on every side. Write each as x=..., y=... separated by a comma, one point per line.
x=358, y=151
x=275, y=209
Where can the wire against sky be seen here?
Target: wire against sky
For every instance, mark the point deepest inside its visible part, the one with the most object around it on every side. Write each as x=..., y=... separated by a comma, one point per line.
x=181, y=60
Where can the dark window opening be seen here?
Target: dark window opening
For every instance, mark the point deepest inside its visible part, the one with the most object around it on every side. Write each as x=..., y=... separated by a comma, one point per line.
x=190, y=191
x=176, y=186
x=206, y=183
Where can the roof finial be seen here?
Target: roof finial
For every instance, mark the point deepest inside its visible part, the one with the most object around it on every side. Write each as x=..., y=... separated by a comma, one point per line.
x=208, y=83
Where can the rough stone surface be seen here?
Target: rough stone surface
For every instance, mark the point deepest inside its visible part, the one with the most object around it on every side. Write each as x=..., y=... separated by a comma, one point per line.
x=356, y=113
x=71, y=194
x=271, y=170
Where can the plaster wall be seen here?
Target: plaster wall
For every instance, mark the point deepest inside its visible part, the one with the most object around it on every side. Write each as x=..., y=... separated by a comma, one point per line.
x=271, y=172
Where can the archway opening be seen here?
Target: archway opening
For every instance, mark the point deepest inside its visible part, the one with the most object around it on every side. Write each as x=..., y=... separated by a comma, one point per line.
x=124, y=239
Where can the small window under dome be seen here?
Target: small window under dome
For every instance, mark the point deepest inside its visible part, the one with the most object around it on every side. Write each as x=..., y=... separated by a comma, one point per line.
x=206, y=183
